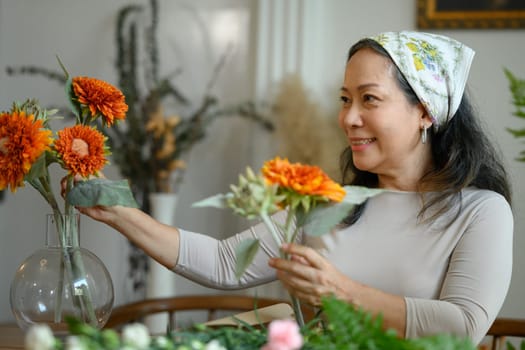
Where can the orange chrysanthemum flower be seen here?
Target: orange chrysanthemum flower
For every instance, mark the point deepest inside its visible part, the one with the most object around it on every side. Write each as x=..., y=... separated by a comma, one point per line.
x=22, y=141
x=303, y=179
x=81, y=150
x=101, y=98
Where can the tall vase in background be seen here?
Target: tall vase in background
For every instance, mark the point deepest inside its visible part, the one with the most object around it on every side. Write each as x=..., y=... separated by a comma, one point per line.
x=160, y=281
x=61, y=280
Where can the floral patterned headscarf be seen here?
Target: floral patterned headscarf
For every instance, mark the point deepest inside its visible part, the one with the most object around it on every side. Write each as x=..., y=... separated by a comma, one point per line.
x=435, y=66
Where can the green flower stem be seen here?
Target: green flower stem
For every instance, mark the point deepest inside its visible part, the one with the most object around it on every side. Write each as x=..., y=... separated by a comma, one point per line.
x=73, y=265
x=290, y=237
x=288, y=224
x=83, y=291
x=60, y=291
x=78, y=271
x=296, y=304
x=59, y=225
x=42, y=185
x=295, y=233
x=70, y=211
x=269, y=224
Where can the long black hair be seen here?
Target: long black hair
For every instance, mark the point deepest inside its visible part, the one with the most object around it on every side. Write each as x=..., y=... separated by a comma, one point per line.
x=462, y=154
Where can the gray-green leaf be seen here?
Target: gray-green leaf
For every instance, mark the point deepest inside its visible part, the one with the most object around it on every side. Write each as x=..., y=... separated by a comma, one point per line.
x=217, y=201
x=245, y=252
x=358, y=194
x=324, y=217
x=103, y=192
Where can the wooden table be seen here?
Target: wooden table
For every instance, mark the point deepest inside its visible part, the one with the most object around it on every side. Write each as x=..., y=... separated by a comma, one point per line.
x=11, y=337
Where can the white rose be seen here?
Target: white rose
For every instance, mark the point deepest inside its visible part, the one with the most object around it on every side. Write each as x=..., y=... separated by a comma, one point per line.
x=73, y=343
x=214, y=345
x=161, y=342
x=39, y=337
x=197, y=345
x=136, y=335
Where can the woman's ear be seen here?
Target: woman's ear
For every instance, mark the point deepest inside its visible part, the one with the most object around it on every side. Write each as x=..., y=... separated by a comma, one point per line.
x=426, y=120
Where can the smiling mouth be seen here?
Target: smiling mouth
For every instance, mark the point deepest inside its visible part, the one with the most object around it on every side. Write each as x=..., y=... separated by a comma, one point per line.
x=363, y=141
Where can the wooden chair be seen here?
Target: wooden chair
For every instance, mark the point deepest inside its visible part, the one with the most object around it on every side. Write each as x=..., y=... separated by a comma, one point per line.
x=212, y=304
x=502, y=328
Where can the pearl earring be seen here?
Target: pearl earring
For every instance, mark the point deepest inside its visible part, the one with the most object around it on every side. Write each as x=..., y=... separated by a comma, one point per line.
x=424, y=135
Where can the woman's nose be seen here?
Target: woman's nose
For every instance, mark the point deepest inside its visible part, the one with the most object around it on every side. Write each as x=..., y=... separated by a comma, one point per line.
x=351, y=117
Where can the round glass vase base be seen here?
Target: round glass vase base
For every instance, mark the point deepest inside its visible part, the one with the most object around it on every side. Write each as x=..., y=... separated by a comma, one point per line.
x=58, y=282
x=39, y=295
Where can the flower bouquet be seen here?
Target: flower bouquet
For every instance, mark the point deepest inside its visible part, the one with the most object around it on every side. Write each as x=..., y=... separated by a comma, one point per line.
x=313, y=202
x=28, y=147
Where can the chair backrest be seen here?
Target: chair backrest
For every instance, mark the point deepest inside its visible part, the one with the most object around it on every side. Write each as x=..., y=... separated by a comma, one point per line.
x=212, y=304
x=505, y=327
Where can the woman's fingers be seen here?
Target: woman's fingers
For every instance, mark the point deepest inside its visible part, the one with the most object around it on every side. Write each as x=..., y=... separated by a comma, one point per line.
x=76, y=178
x=303, y=289
x=300, y=260
x=308, y=275
x=309, y=255
x=63, y=186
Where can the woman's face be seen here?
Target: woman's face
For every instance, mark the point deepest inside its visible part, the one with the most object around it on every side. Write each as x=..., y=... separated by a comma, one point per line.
x=382, y=127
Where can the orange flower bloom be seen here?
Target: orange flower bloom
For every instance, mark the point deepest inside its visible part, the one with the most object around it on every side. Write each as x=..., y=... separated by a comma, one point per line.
x=101, y=98
x=303, y=179
x=81, y=150
x=22, y=141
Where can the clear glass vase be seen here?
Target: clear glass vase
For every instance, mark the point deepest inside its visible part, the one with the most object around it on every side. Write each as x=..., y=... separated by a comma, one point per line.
x=61, y=280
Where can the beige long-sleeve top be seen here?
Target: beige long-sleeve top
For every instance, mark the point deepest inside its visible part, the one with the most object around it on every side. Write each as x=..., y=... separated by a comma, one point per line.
x=454, y=278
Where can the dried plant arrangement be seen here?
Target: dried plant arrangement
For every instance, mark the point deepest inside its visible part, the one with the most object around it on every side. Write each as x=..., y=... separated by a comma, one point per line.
x=149, y=148
x=305, y=132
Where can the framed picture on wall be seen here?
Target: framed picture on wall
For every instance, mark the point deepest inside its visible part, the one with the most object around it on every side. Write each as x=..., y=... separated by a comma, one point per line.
x=470, y=14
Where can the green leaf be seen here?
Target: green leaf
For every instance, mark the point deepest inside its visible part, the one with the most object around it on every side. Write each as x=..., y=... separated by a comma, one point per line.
x=38, y=169
x=358, y=194
x=103, y=192
x=78, y=327
x=516, y=132
x=325, y=216
x=245, y=252
x=72, y=99
x=217, y=201
x=75, y=105
x=510, y=346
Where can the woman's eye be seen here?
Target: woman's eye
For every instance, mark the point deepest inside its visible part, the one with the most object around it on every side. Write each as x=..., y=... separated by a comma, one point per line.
x=369, y=98
x=345, y=99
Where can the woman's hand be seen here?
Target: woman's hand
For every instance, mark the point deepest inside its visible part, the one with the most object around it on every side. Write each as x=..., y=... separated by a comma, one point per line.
x=309, y=276
x=99, y=213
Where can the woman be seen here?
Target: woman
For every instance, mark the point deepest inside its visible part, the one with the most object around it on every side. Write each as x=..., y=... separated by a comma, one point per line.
x=432, y=254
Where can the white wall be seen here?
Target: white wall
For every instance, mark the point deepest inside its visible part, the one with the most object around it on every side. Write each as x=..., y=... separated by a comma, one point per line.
x=33, y=31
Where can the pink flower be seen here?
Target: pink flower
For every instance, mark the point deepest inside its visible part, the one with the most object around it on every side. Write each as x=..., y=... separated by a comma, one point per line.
x=283, y=335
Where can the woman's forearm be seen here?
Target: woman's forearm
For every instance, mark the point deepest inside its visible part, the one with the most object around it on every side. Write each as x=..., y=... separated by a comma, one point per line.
x=391, y=307
x=159, y=241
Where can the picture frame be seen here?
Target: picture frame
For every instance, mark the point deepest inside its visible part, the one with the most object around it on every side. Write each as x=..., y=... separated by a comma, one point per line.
x=469, y=14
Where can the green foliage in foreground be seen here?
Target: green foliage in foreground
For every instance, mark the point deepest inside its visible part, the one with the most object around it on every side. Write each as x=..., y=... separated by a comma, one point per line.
x=344, y=327
x=351, y=328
